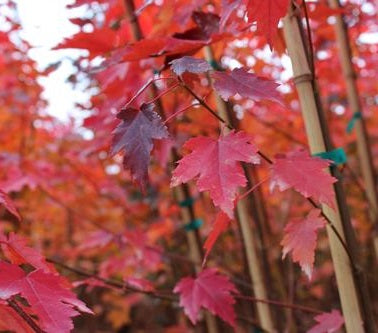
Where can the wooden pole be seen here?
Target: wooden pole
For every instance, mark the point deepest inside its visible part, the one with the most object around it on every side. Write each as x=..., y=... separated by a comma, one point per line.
x=363, y=147
x=181, y=192
x=303, y=79
x=251, y=241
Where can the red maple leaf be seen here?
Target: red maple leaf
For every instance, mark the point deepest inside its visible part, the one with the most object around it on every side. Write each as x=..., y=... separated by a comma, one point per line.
x=221, y=223
x=328, y=322
x=246, y=84
x=189, y=64
x=8, y=204
x=228, y=7
x=216, y=163
x=305, y=174
x=46, y=294
x=209, y=290
x=134, y=136
x=16, y=250
x=267, y=13
x=300, y=238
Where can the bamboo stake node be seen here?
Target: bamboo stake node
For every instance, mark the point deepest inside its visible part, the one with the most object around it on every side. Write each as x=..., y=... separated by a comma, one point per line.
x=302, y=78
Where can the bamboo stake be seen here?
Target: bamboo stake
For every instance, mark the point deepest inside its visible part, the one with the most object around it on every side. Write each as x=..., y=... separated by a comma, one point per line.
x=181, y=192
x=303, y=79
x=250, y=240
x=363, y=147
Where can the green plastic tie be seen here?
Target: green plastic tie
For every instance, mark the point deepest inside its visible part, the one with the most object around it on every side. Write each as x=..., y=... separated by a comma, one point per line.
x=352, y=121
x=214, y=64
x=193, y=225
x=187, y=202
x=337, y=156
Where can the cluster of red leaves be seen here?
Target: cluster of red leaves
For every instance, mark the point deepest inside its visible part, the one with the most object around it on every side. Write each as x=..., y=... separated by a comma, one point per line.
x=85, y=212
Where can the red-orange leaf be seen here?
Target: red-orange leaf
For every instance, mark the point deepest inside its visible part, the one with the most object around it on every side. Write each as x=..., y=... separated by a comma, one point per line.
x=216, y=164
x=300, y=238
x=134, y=136
x=305, y=174
x=221, y=223
x=267, y=13
x=9, y=205
x=16, y=250
x=246, y=84
x=328, y=322
x=209, y=290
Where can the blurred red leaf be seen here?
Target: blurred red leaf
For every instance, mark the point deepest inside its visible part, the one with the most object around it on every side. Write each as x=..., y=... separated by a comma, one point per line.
x=209, y=290
x=300, y=238
x=8, y=204
x=328, y=322
x=16, y=251
x=246, y=84
x=305, y=174
x=221, y=223
x=189, y=64
x=267, y=14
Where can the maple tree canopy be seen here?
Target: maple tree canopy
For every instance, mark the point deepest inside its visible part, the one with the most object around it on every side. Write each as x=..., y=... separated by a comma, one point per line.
x=154, y=208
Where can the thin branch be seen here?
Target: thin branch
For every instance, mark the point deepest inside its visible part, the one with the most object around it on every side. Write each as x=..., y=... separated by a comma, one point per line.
x=174, y=86
x=281, y=304
x=166, y=296
x=179, y=112
x=29, y=320
x=144, y=87
x=111, y=282
x=246, y=193
x=204, y=104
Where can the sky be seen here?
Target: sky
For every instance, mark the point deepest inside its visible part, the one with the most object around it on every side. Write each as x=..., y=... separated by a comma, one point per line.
x=45, y=23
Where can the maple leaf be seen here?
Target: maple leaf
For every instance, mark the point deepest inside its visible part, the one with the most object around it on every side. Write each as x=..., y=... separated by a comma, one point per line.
x=207, y=22
x=305, y=174
x=189, y=64
x=16, y=250
x=328, y=322
x=300, y=238
x=9, y=205
x=267, y=13
x=134, y=136
x=46, y=294
x=216, y=163
x=226, y=10
x=209, y=290
x=221, y=223
x=246, y=84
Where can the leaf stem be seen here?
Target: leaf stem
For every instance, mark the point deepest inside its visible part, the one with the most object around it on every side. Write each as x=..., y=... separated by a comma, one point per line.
x=164, y=92
x=281, y=304
x=170, y=297
x=179, y=112
x=29, y=320
x=204, y=104
x=110, y=282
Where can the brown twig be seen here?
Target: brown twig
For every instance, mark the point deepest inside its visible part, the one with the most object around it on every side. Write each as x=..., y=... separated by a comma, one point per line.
x=29, y=320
